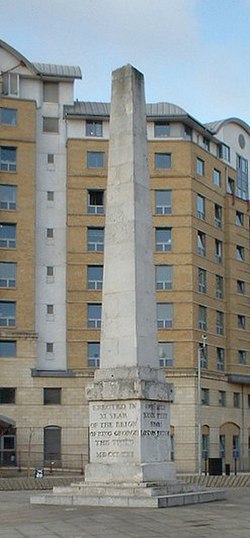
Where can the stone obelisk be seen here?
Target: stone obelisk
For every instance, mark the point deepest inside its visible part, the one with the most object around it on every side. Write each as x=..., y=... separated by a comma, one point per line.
x=129, y=400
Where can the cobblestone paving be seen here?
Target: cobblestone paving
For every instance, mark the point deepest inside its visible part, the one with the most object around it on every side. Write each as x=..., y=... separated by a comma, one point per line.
x=229, y=518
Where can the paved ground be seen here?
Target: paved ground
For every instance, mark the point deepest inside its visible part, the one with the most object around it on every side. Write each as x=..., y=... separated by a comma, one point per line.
x=229, y=518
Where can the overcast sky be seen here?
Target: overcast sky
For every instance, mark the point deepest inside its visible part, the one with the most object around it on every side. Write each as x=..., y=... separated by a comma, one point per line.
x=194, y=53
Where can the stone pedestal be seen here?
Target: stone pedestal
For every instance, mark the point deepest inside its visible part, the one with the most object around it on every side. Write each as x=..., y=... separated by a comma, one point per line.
x=129, y=411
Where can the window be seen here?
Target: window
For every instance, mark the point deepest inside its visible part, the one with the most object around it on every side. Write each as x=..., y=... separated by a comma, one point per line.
x=236, y=399
x=239, y=218
x=163, y=160
x=162, y=129
x=10, y=84
x=95, y=239
x=51, y=396
x=230, y=186
x=248, y=401
x=241, y=321
x=94, y=315
x=217, y=216
x=50, y=158
x=200, y=167
x=94, y=354
x=203, y=355
x=8, y=116
x=95, y=159
x=50, y=310
x=205, y=446
x=164, y=315
x=217, y=178
x=7, y=235
x=240, y=253
x=241, y=286
x=7, y=395
x=50, y=196
x=50, y=125
x=95, y=277
x=205, y=143
x=7, y=348
x=7, y=314
x=164, y=277
x=93, y=128
x=8, y=197
x=219, y=286
x=242, y=177
x=201, y=243
x=50, y=271
x=202, y=317
x=49, y=347
x=224, y=152
x=163, y=239
x=7, y=159
x=219, y=322
x=96, y=202
x=205, y=396
x=220, y=356
x=236, y=446
x=222, y=446
x=202, y=280
x=165, y=350
x=222, y=398
x=50, y=92
x=52, y=444
x=163, y=202
x=50, y=233
x=200, y=207
x=7, y=275
x=242, y=356
x=188, y=132
x=218, y=251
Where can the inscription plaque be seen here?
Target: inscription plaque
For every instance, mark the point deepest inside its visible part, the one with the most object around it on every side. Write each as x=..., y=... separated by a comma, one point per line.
x=128, y=430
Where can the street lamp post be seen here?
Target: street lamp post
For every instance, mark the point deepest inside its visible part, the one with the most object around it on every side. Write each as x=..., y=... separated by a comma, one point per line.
x=201, y=351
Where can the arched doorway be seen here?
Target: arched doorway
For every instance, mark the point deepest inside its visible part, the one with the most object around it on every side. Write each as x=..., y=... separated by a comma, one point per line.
x=52, y=444
x=229, y=442
x=7, y=441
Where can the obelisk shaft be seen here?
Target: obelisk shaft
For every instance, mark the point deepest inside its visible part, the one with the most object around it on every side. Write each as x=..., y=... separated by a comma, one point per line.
x=129, y=310
x=129, y=400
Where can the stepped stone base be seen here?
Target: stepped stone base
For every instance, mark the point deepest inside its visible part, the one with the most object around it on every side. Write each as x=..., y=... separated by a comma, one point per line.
x=143, y=495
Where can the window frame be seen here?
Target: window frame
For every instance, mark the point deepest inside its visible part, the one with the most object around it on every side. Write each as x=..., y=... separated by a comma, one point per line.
x=94, y=322
x=93, y=360
x=164, y=319
x=200, y=166
x=166, y=359
x=10, y=317
x=162, y=160
x=97, y=283
x=8, y=165
x=98, y=243
x=163, y=245
x=47, y=395
x=167, y=283
x=95, y=159
x=10, y=280
x=95, y=209
x=7, y=202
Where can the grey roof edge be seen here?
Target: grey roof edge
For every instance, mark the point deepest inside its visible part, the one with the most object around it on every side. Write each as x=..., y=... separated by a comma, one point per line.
x=215, y=126
x=60, y=71
x=241, y=379
x=42, y=69
x=18, y=55
x=89, y=108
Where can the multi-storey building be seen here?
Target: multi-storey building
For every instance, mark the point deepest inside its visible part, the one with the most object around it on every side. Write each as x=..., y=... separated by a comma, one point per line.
x=53, y=173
